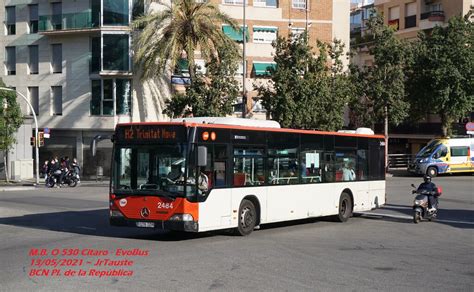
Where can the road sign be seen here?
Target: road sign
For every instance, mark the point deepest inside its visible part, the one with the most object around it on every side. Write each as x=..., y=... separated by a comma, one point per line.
x=470, y=127
x=46, y=132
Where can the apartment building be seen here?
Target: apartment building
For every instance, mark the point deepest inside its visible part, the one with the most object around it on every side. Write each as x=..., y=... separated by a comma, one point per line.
x=408, y=18
x=73, y=61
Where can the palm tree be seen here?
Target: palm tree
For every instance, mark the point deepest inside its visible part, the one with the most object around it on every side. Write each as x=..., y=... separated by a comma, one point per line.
x=181, y=28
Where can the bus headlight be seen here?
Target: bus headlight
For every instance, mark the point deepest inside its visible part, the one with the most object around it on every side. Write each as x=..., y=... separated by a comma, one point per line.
x=115, y=213
x=181, y=217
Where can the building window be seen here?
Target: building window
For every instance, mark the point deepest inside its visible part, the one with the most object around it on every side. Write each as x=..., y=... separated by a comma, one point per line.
x=116, y=12
x=296, y=32
x=10, y=17
x=57, y=15
x=109, y=91
x=234, y=2
x=265, y=3
x=298, y=4
x=393, y=17
x=57, y=58
x=10, y=60
x=264, y=35
x=410, y=15
x=95, y=55
x=33, y=26
x=33, y=59
x=33, y=96
x=56, y=100
x=116, y=52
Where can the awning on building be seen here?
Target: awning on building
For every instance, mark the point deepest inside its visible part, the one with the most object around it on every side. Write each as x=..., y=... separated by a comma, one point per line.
x=235, y=35
x=263, y=69
x=266, y=29
x=183, y=66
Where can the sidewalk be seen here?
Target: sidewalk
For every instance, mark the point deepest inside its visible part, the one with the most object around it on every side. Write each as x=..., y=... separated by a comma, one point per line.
x=17, y=186
x=29, y=185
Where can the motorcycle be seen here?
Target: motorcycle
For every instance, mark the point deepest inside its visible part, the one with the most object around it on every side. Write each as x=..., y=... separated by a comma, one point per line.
x=70, y=179
x=420, y=204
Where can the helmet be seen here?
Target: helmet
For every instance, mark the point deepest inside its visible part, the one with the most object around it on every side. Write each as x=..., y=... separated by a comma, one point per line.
x=427, y=178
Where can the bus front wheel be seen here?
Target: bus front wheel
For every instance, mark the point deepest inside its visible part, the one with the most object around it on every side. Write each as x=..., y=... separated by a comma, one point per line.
x=247, y=218
x=345, y=208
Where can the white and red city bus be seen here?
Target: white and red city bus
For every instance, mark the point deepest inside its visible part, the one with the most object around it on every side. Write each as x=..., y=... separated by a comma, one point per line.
x=203, y=174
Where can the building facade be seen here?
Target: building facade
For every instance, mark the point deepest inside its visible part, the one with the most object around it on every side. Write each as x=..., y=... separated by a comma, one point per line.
x=73, y=61
x=408, y=18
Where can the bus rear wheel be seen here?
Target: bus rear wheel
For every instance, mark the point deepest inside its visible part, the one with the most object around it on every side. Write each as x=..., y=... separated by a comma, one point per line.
x=345, y=208
x=432, y=171
x=247, y=218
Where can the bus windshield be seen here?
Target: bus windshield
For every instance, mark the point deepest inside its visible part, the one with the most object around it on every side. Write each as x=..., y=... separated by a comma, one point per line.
x=428, y=149
x=149, y=170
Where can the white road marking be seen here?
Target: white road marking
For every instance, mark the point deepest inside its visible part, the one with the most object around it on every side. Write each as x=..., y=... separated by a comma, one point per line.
x=410, y=218
x=88, y=228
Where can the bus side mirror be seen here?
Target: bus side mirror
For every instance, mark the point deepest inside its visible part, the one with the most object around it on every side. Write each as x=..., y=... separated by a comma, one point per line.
x=202, y=156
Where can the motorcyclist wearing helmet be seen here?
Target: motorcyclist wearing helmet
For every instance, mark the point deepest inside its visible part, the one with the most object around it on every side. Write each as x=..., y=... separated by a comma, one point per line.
x=429, y=186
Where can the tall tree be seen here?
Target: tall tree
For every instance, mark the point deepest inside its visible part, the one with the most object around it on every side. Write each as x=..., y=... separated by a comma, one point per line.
x=380, y=88
x=210, y=94
x=182, y=27
x=308, y=88
x=442, y=76
x=11, y=119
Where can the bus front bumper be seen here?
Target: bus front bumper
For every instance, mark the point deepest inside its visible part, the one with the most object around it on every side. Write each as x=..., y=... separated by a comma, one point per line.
x=189, y=226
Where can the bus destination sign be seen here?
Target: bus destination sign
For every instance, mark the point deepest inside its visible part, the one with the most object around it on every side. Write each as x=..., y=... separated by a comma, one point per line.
x=148, y=133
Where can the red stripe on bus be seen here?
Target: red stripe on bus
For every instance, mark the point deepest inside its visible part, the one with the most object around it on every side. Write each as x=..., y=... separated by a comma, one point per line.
x=261, y=129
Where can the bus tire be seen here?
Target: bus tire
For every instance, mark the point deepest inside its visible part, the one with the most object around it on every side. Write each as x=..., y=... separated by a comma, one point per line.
x=345, y=208
x=247, y=218
x=432, y=171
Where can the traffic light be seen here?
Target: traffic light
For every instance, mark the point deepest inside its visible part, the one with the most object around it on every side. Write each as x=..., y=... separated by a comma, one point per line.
x=40, y=139
x=32, y=141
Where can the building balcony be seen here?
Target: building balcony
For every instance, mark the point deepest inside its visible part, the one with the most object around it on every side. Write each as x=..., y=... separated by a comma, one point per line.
x=434, y=16
x=68, y=23
x=428, y=20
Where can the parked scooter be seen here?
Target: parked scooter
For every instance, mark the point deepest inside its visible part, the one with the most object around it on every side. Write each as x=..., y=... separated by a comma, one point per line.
x=420, y=204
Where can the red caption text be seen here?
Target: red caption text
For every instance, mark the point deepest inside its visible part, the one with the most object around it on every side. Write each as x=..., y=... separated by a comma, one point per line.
x=83, y=262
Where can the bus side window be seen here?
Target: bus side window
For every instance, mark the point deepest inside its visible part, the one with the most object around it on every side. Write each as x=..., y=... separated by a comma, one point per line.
x=248, y=167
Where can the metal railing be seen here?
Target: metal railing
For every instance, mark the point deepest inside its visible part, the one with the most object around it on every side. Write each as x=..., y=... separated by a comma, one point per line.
x=399, y=160
x=68, y=21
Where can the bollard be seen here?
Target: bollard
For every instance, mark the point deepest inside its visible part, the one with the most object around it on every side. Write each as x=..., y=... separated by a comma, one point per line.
x=100, y=173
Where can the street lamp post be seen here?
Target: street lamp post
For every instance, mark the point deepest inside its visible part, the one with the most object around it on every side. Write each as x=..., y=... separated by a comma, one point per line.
x=36, y=129
x=244, y=69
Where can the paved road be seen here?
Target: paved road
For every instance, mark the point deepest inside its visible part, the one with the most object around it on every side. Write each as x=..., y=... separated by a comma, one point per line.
x=384, y=251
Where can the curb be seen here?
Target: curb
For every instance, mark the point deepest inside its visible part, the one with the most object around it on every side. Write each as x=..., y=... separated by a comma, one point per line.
x=22, y=188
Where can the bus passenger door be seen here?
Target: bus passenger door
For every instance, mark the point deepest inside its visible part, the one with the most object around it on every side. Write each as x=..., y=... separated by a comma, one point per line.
x=248, y=179
x=215, y=211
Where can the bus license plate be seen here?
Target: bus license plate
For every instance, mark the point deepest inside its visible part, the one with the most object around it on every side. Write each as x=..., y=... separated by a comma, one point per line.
x=146, y=224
